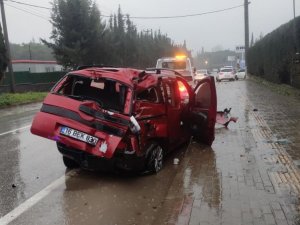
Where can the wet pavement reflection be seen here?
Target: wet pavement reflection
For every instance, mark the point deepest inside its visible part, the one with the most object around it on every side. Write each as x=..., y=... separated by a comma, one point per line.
x=27, y=162
x=18, y=116
x=282, y=116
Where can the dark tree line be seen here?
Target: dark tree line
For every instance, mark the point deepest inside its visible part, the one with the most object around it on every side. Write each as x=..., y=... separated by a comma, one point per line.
x=272, y=56
x=81, y=36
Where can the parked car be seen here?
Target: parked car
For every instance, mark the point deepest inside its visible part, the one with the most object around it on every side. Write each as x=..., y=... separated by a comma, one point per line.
x=107, y=118
x=241, y=74
x=226, y=74
x=200, y=74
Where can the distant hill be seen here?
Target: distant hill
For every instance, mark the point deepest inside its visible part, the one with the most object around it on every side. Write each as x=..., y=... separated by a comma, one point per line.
x=32, y=50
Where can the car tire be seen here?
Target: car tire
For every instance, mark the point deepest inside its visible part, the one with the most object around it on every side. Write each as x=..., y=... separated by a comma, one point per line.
x=70, y=163
x=154, y=160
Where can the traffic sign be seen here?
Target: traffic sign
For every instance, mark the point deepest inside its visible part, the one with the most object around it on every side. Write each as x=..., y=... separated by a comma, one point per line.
x=240, y=49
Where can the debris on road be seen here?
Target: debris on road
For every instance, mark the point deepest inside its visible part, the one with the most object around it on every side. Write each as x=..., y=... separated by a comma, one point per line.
x=176, y=161
x=224, y=118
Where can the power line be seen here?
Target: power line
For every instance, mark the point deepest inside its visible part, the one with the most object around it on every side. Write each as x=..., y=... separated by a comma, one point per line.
x=182, y=16
x=32, y=10
x=22, y=3
x=42, y=17
x=188, y=15
x=150, y=17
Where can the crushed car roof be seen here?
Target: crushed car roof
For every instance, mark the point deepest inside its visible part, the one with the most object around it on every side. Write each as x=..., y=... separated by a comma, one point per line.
x=139, y=79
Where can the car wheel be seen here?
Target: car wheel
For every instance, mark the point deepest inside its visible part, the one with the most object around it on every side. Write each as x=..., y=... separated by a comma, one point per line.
x=154, y=158
x=70, y=163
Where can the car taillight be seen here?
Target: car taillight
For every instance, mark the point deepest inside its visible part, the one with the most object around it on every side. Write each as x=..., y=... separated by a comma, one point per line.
x=181, y=87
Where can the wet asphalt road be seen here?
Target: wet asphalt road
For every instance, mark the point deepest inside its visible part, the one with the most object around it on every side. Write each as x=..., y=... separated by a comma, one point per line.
x=248, y=176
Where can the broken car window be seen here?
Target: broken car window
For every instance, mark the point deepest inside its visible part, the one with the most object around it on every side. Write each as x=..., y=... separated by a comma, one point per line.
x=203, y=95
x=108, y=94
x=148, y=95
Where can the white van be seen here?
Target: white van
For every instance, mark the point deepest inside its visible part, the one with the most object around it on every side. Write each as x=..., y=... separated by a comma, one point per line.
x=181, y=64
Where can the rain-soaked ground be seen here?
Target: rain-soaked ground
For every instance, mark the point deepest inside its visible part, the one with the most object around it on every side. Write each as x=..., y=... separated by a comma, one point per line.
x=248, y=176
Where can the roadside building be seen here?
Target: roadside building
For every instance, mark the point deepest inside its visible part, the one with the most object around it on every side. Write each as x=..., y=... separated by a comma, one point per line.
x=36, y=66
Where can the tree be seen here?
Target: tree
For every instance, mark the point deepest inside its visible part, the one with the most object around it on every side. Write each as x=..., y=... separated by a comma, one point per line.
x=80, y=37
x=77, y=33
x=3, y=55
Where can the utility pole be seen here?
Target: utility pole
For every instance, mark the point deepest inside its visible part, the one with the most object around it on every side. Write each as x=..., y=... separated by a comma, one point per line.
x=294, y=9
x=10, y=69
x=295, y=28
x=246, y=3
x=30, y=56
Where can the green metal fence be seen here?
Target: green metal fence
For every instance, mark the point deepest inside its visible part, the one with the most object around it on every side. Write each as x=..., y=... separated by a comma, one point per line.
x=33, y=78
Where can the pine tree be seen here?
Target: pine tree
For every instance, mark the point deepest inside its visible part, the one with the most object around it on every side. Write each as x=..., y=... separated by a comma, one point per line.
x=77, y=33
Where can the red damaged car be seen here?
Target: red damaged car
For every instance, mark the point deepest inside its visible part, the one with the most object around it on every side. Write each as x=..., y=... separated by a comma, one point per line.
x=106, y=118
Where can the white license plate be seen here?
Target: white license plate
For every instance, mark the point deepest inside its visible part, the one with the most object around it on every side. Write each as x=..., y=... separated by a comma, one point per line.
x=79, y=135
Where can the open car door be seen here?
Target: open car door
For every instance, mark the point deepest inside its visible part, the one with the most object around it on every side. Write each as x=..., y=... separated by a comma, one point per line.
x=204, y=111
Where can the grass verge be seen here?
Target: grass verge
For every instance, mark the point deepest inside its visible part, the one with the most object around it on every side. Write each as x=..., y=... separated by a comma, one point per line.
x=282, y=89
x=7, y=99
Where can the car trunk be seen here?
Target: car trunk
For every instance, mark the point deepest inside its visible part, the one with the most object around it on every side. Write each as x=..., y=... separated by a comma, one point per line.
x=60, y=113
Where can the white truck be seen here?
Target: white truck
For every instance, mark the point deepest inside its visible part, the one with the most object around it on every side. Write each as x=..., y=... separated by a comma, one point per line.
x=181, y=64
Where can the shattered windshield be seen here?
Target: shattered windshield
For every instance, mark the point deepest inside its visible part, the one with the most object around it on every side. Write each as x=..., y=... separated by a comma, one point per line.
x=108, y=94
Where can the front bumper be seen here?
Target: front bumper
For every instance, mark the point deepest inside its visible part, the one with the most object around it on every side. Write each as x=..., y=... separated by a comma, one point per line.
x=91, y=162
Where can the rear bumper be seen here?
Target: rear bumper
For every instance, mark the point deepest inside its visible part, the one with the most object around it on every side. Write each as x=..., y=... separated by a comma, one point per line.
x=225, y=78
x=91, y=162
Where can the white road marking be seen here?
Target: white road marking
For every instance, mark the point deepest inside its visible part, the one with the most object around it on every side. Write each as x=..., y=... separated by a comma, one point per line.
x=12, y=131
x=15, y=213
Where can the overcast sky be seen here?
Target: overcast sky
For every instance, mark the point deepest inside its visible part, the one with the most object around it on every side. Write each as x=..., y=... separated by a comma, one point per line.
x=224, y=29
